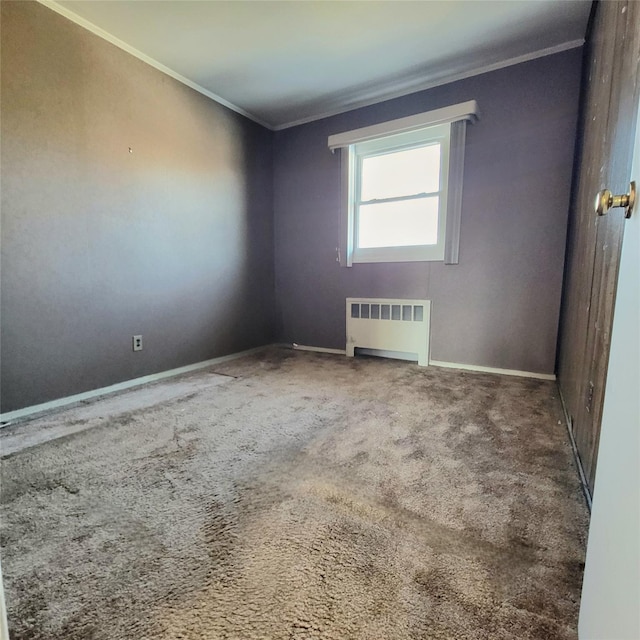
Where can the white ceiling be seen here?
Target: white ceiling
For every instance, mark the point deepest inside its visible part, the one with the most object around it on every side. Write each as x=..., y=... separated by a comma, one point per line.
x=288, y=62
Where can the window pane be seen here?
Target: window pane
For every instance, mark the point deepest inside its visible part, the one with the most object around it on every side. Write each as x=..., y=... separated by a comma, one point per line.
x=402, y=173
x=398, y=224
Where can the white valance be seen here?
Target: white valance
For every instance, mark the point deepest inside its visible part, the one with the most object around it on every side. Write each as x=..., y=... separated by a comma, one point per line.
x=462, y=111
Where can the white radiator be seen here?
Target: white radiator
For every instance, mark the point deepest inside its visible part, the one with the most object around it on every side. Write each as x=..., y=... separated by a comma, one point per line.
x=389, y=325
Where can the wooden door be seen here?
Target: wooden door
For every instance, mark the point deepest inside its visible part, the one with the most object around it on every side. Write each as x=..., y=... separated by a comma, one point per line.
x=611, y=586
x=605, y=147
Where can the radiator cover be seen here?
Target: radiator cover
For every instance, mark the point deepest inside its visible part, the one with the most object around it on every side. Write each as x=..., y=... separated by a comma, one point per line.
x=387, y=324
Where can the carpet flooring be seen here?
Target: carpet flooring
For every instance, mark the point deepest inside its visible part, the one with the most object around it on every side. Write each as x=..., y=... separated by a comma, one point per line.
x=291, y=495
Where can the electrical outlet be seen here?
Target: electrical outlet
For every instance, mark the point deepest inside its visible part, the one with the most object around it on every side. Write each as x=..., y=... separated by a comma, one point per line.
x=137, y=343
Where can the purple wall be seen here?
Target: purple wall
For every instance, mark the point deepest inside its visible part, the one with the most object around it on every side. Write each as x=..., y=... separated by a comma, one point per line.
x=173, y=241
x=499, y=307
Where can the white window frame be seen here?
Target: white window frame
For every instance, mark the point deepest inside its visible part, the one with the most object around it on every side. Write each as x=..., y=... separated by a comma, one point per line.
x=438, y=134
x=455, y=117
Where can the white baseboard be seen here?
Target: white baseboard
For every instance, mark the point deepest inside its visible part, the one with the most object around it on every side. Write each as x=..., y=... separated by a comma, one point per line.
x=504, y=372
x=435, y=363
x=10, y=416
x=302, y=347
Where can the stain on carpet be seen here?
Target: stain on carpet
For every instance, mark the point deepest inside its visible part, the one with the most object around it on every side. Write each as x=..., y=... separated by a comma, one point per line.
x=310, y=496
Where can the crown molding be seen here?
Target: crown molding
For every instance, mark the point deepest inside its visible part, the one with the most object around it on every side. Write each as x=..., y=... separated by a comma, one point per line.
x=89, y=26
x=396, y=90
x=414, y=85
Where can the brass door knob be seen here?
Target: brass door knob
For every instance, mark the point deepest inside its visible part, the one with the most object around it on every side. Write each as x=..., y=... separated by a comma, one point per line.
x=605, y=200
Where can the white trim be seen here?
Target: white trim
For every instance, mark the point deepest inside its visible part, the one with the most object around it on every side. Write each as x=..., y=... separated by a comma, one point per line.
x=302, y=347
x=481, y=369
x=345, y=239
x=435, y=363
x=430, y=84
x=414, y=87
x=462, y=111
x=120, y=386
x=426, y=134
x=105, y=35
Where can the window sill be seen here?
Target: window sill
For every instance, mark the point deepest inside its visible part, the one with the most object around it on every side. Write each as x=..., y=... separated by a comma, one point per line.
x=399, y=254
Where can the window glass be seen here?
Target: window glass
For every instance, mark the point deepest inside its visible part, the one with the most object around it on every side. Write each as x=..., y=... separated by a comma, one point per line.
x=401, y=173
x=398, y=224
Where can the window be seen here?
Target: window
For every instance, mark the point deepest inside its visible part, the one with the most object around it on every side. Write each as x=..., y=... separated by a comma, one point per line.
x=398, y=196
x=402, y=187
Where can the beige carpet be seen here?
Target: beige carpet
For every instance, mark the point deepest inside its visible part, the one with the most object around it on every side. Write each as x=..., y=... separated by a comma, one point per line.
x=308, y=496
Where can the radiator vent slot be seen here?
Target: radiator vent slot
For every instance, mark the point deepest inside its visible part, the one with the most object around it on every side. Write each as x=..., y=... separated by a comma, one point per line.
x=387, y=325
